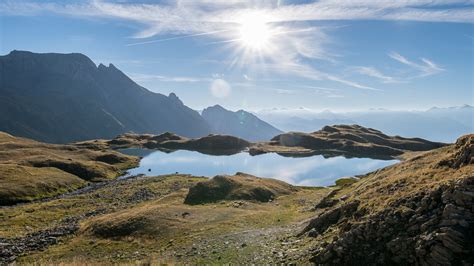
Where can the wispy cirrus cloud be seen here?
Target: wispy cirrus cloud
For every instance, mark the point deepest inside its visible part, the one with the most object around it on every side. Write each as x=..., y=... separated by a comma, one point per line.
x=426, y=67
x=375, y=73
x=149, y=77
x=410, y=10
x=422, y=69
x=203, y=15
x=219, y=20
x=285, y=91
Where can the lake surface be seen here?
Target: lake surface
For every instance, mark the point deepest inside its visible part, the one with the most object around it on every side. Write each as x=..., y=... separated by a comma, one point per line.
x=309, y=171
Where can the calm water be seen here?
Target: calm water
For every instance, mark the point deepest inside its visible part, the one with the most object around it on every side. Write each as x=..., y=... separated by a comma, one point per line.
x=311, y=171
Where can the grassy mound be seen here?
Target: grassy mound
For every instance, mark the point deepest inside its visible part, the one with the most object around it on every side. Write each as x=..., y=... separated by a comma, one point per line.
x=24, y=183
x=147, y=220
x=238, y=187
x=345, y=181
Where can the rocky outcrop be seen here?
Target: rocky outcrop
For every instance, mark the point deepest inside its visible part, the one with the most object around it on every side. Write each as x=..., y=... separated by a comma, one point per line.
x=150, y=141
x=418, y=212
x=215, y=144
x=211, y=144
x=331, y=217
x=463, y=155
x=331, y=141
x=432, y=228
x=238, y=187
x=350, y=141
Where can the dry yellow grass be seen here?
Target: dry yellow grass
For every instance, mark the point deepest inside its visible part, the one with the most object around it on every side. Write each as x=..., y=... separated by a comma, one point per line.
x=239, y=186
x=154, y=230
x=32, y=170
x=24, y=183
x=417, y=211
x=418, y=173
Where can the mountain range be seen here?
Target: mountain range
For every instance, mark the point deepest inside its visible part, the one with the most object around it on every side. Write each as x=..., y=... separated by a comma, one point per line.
x=240, y=123
x=435, y=124
x=60, y=98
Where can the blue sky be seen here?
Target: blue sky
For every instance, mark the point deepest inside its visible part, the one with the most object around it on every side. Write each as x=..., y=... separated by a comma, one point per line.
x=332, y=54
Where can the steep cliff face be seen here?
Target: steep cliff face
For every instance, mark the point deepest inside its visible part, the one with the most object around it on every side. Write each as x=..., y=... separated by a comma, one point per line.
x=66, y=97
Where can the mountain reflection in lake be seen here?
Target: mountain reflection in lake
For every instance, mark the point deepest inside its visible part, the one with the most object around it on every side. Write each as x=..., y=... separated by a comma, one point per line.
x=307, y=171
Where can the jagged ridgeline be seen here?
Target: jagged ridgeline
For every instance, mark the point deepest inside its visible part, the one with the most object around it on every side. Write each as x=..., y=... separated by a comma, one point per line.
x=61, y=98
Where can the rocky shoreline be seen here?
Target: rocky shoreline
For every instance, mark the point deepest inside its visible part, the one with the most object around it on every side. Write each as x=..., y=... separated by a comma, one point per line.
x=339, y=140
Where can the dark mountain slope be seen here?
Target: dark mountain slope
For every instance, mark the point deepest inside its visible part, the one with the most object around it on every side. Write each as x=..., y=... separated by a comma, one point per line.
x=65, y=97
x=241, y=123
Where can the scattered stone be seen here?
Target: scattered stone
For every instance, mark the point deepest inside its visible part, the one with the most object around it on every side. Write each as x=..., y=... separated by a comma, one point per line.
x=143, y=194
x=436, y=230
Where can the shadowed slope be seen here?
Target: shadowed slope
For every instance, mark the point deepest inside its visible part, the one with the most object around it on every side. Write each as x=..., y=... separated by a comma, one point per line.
x=65, y=97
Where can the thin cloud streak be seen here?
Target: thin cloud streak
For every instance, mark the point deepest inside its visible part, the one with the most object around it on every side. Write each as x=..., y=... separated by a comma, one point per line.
x=217, y=19
x=178, y=37
x=147, y=77
x=207, y=16
x=428, y=68
x=375, y=73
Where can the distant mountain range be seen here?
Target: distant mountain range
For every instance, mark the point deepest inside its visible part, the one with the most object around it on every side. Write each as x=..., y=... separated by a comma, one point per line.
x=61, y=98
x=436, y=124
x=240, y=123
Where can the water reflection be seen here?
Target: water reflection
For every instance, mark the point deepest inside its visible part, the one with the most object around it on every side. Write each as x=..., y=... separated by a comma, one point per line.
x=310, y=171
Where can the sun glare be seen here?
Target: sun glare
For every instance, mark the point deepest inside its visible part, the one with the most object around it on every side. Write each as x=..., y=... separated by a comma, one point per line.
x=254, y=31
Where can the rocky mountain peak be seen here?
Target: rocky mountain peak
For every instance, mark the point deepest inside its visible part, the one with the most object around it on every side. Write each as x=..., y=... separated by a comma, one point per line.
x=215, y=108
x=172, y=96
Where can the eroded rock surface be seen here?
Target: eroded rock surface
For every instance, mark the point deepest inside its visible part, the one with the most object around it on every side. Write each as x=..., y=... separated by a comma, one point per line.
x=411, y=213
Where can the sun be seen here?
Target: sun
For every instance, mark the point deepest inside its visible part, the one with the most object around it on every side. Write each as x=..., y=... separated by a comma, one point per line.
x=254, y=31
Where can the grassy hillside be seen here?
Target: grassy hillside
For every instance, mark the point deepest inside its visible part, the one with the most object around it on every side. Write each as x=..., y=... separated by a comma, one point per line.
x=32, y=170
x=418, y=211
x=146, y=220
